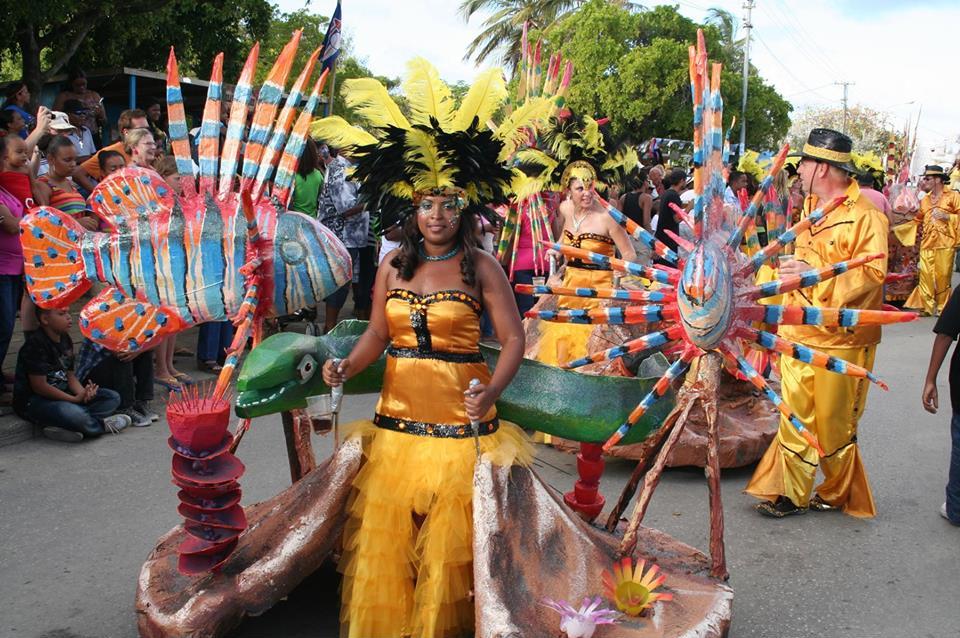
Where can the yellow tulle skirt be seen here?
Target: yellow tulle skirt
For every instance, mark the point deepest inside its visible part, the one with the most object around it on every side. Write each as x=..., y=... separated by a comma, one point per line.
x=407, y=560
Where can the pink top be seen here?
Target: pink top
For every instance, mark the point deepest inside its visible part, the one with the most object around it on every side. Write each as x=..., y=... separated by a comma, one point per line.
x=11, y=253
x=525, y=247
x=877, y=199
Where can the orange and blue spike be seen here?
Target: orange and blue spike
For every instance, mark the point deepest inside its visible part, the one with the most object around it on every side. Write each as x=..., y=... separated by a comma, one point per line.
x=263, y=116
x=282, y=126
x=660, y=388
x=209, y=150
x=800, y=352
x=815, y=316
x=646, y=342
x=760, y=383
x=806, y=278
x=656, y=296
x=639, y=233
x=612, y=315
x=283, y=183
x=789, y=235
x=662, y=275
x=177, y=125
x=237, y=124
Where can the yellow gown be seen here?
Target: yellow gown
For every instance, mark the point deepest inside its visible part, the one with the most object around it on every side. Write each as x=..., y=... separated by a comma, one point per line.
x=407, y=559
x=562, y=342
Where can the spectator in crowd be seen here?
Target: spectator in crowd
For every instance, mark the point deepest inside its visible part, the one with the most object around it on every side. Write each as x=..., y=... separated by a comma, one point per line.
x=735, y=183
x=82, y=136
x=91, y=101
x=637, y=204
x=154, y=110
x=666, y=219
x=308, y=181
x=48, y=393
x=110, y=162
x=338, y=203
x=16, y=175
x=129, y=374
x=64, y=195
x=88, y=173
x=11, y=269
x=140, y=148
x=12, y=123
x=18, y=101
x=656, y=178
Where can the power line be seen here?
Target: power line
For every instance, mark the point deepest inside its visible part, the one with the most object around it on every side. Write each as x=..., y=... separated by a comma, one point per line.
x=806, y=48
x=789, y=72
x=802, y=30
x=816, y=88
x=846, y=85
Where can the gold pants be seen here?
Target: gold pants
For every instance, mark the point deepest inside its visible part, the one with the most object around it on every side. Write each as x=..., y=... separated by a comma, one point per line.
x=933, y=287
x=829, y=405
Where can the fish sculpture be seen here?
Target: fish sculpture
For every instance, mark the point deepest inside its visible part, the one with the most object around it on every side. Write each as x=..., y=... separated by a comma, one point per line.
x=223, y=250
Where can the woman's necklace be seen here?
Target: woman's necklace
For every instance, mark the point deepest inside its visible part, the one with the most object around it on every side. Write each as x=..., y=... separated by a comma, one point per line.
x=443, y=257
x=578, y=222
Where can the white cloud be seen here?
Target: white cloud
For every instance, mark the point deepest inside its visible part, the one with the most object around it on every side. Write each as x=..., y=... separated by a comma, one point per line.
x=895, y=52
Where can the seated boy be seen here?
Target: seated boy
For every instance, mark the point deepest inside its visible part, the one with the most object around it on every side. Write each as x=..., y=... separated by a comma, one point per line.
x=47, y=392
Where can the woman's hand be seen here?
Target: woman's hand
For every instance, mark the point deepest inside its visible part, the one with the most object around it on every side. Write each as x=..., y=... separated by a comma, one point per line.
x=334, y=376
x=478, y=400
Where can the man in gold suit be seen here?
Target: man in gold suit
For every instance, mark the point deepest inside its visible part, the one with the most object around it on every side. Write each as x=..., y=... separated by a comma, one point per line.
x=939, y=218
x=828, y=404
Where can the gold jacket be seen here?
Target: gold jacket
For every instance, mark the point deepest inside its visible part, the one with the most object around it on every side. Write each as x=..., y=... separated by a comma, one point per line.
x=854, y=229
x=937, y=233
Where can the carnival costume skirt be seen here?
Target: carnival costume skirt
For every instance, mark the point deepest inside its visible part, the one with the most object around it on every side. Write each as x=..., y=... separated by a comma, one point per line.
x=407, y=559
x=563, y=342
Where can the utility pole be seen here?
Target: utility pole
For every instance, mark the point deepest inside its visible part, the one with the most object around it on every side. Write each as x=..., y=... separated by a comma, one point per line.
x=747, y=25
x=845, y=86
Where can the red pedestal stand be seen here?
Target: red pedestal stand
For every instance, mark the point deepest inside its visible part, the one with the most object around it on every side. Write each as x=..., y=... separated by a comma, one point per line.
x=585, y=498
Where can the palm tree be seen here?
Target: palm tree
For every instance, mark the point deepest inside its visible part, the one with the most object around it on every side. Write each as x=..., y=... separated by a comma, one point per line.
x=728, y=26
x=503, y=28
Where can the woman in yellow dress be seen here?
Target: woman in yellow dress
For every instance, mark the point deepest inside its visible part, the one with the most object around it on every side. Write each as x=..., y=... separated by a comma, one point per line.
x=581, y=222
x=407, y=558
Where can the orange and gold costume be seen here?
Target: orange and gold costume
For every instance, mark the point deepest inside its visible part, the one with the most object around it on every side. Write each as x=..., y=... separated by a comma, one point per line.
x=407, y=547
x=938, y=245
x=563, y=342
x=829, y=404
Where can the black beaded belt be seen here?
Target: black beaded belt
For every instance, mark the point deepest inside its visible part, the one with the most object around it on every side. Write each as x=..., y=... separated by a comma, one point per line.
x=583, y=265
x=438, y=355
x=439, y=430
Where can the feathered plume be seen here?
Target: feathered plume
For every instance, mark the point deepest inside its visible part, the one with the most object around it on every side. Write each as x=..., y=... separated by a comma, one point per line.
x=428, y=95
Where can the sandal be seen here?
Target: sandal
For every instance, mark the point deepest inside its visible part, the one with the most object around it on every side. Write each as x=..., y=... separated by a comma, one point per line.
x=169, y=383
x=817, y=504
x=210, y=366
x=780, y=508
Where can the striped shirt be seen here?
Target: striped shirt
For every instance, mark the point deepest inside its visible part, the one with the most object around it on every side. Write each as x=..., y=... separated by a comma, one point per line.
x=70, y=202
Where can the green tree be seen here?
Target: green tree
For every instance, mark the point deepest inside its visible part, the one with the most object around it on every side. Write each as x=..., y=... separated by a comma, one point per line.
x=632, y=66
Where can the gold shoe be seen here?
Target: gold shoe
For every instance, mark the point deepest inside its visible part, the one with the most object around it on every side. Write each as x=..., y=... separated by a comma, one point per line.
x=817, y=504
x=780, y=508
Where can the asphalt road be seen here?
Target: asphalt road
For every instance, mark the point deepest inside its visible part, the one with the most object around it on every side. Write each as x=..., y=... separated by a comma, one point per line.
x=76, y=522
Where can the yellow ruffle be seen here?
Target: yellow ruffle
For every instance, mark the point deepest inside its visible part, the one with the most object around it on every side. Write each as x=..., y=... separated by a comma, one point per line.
x=408, y=544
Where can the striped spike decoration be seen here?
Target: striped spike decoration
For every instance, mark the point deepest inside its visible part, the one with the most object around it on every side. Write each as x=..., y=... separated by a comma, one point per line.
x=177, y=124
x=263, y=116
x=661, y=295
x=282, y=126
x=639, y=233
x=766, y=186
x=760, y=383
x=815, y=316
x=789, y=235
x=659, y=389
x=661, y=274
x=806, y=278
x=283, y=184
x=612, y=316
x=237, y=124
x=209, y=149
x=646, y=342
x=800, y=352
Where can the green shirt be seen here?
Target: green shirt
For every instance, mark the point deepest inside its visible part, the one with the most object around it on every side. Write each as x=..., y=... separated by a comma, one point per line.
x=306, y=192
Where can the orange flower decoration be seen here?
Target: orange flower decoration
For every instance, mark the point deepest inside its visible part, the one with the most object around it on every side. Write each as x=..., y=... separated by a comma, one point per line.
x=631, y=589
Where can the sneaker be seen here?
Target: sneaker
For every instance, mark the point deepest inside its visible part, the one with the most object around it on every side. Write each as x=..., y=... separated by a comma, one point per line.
x=143, y=408
x=62, y=434
x=137, y=419
x=116, y=422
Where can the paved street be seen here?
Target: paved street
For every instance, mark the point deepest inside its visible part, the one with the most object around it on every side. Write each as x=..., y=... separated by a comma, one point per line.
x=76, y=522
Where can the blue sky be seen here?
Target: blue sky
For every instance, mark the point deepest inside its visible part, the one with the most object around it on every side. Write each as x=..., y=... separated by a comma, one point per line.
x=900, y=54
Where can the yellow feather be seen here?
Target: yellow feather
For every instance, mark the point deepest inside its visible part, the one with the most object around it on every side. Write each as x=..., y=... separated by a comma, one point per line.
x=482, y=100
x=430, y=171
x=373, y=103
x=429, y=96
x=514, y=130
x=338, y=132
x=592, y=136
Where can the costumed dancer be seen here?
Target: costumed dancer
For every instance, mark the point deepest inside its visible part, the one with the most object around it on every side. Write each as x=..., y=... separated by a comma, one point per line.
x=408, y=551
x=939, y=216
x=827, y=404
